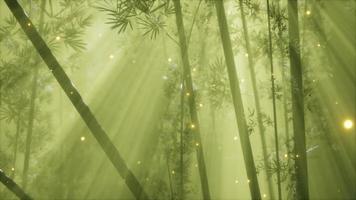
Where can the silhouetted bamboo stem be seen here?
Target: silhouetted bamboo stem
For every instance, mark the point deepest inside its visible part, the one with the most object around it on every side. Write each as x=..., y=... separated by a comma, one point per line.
x=261, y=127
x=297, y=102
x=30, y=129
x=31, y=116
x=284, y=82
x=169, y=178
x=195, y=126
x=181, y=193
x=11, y=185
x=275, y=125
x=237, y=101
x=18, y=123
x=77, y=101
x=0, y=108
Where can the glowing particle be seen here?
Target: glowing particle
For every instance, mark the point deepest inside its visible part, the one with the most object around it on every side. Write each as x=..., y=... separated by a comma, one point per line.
x=58, y=38
x=242, y=80
x=12, y=169
x=188, y=94
x=246, y=54
x=173, y=172
x=164, y=77
x=318, y=45
x=82, y=138
x=201, y=105
x=236, y=181
x=348, y=124
x=28, y=24
x=308, y=12
x=194, y=69
x=297, y=155
x=111, y=56
x=286, y=155
x=264, y=195
x=139, y=162
x=169, y=59
x=197, y=144
x=248, y=181
x=235, y=138
x=192, y=126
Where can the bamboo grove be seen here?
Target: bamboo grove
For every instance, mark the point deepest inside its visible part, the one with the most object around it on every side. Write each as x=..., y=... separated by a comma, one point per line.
x=177, y=99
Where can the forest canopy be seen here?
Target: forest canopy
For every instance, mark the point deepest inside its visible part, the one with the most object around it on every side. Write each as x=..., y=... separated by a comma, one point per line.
x=177, y=99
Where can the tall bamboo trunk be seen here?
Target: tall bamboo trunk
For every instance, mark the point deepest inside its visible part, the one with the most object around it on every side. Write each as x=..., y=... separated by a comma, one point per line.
x=30, y=129
x=261, y=127
x=77, y=101
x=285, y=96
x=195, y=126
x=169, y=178
x=18, y=128
x=237, y=101
x=275, y=125
x=0, y=120
x=297, y=102
x=284, y=82
x=181, y=192
x=31, y=116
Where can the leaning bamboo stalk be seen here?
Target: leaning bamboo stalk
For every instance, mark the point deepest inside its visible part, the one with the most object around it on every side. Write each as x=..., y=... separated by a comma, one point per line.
x=77, y=101
x=297, y=102
x=261, y=128
x=195, y=126
x=237, y=101
x=11, y=185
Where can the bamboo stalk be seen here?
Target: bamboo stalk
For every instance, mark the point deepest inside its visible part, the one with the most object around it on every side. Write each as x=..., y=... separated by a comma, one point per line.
x=284, y=81
x=195, y=127
x=30, y=128
x=77, y=101
x=11, y=185
x=275, y=125
x=297, y=102
x=18, y=124
x=31, y=116
x=261, y=127
x=237, y=101
x=0, y=108
x=181, y=192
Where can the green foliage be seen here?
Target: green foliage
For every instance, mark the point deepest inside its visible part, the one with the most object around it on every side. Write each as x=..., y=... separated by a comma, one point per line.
x=146, y=15
x=18, y=60
x=217, y=84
